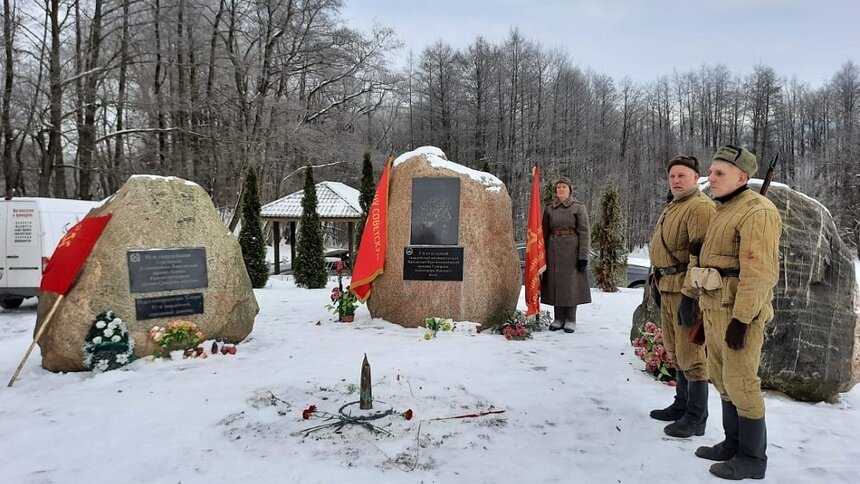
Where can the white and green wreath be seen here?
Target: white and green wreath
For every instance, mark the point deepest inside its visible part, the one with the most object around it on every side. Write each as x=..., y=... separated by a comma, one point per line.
x=108, y=345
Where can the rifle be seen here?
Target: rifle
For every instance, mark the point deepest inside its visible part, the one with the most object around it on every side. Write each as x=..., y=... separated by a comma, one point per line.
x=697, y=332
x=769, y=175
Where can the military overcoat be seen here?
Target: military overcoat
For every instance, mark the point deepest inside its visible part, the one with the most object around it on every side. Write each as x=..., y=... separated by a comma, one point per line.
x=568, y=238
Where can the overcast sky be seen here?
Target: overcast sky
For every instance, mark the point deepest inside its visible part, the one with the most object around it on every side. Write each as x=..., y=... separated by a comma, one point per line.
x=642, y=39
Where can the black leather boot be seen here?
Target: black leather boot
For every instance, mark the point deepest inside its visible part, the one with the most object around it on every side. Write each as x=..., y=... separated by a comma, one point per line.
x=694, y=419
x=726, y=449
x=751, y=460
x=678, y=408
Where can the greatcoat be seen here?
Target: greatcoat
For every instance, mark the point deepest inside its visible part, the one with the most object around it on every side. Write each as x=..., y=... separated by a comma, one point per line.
x=567, y=234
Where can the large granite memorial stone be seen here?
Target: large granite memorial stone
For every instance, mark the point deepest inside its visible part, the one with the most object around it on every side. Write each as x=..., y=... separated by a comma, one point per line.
x=450, y=249
x=164, y=255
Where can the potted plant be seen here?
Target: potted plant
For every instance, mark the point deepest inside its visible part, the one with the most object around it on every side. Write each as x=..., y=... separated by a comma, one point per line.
x=343, y=303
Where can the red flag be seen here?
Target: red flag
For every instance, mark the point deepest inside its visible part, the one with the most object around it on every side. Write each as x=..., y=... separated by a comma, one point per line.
x=70, y=254
x=370, y=260
x=535, y=250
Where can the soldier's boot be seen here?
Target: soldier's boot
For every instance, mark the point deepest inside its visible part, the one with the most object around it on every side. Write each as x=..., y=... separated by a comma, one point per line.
x=570, y=319
x=558, y=319
x=677, y=409
x=726, y=449
x=751, y=460
x=696, y=414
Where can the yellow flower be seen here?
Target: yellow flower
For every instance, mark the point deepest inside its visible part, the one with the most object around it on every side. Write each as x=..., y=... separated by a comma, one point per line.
x=427, y=336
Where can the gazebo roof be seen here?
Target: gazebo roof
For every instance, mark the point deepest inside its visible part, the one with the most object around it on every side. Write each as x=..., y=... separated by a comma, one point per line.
x=335, y=201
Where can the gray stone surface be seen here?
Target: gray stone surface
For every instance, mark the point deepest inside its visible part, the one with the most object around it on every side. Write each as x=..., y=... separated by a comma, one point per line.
x=812, y=348
x=150, y=213
x=491, y=272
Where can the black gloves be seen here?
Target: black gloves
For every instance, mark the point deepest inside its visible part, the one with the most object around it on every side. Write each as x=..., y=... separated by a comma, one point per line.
x=581, y=264
x=735, y=334
x=695, y=247
x=687, y=311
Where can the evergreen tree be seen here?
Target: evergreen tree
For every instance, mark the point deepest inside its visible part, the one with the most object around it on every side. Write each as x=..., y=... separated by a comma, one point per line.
x=365, y=197
x=251, y=236
x=309, y=266
x=548, y=187
x=607, y=240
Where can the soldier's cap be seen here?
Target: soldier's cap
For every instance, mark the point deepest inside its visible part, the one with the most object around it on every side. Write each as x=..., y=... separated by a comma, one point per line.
x=690, y=162
x=563, y=179
x=740, y=157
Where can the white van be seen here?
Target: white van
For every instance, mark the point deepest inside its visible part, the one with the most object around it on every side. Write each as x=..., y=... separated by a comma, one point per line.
x=30, y=229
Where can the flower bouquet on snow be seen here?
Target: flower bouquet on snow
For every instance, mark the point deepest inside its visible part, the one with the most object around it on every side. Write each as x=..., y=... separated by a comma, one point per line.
x=649, y=348
x=107, y=345
x=434, y=325
x=178, y=335
x=343, y=303
x=514, y=325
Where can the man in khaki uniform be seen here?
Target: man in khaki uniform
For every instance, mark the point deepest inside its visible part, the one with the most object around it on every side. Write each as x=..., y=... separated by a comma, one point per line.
x=734, y=276
x=685, y=218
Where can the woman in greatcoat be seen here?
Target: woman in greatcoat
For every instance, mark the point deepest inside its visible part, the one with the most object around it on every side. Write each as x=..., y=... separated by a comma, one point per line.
x=567, y=234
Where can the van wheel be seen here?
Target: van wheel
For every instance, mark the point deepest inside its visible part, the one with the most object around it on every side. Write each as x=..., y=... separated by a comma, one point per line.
x=11, y=302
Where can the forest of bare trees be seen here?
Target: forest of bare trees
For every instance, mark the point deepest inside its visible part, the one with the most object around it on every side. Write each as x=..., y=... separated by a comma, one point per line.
x=97, y=90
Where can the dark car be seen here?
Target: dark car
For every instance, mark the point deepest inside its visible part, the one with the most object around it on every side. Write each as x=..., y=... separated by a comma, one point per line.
x=334, y=255
x=637, y=273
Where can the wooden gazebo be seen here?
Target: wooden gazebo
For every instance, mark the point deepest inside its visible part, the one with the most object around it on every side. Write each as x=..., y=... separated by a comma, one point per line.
x=336, y=202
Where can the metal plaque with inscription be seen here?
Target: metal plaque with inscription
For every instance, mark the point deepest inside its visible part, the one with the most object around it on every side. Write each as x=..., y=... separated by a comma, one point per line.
x=167, y=269
x=433, y=263
x=166, y=306
x=435, y=211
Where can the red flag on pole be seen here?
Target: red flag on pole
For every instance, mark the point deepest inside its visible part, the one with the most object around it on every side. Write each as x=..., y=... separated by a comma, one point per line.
x=535, y=250
x=370, y=260
x=70, y=254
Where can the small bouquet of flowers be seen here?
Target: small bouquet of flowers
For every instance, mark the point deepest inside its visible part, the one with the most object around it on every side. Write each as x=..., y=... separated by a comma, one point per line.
x=649, y=348
x=434, y=325
x=107, y=345
x=178, y=335
x=515, y=332
x=514, y=325
x=343, y=303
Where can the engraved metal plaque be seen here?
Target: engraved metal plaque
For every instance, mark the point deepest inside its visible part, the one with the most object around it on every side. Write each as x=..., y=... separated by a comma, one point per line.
x=433, y=263
x=435, y=211
x=166, y=306
x=167, y=269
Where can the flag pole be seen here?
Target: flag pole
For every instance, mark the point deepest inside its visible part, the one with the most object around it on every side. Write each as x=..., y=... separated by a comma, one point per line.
x=36, y=339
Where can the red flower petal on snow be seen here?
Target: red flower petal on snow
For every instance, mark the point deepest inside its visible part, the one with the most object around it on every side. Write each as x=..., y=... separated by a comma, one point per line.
x=408, y=414
x=306, y=413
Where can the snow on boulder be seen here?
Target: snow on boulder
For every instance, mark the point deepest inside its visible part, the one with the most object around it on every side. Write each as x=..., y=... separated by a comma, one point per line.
x=151, y=212
x=491, y=271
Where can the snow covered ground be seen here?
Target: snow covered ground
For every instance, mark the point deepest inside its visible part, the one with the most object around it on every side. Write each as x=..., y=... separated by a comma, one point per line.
x=576, y=409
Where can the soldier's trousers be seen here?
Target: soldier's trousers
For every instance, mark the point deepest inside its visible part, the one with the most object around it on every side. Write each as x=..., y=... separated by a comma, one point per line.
x=735, y=372
x=688, y=357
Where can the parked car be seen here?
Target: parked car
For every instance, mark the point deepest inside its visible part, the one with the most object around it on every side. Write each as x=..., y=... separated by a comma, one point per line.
x=637, y=269
x=334, y=255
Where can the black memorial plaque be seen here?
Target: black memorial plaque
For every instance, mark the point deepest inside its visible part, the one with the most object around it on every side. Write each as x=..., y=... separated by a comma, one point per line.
x=167, y=269
x=433, y=263
x=435, y=211
x=166, y=306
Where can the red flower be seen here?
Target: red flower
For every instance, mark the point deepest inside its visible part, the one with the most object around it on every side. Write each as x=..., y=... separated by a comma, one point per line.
x=306, y=413
x=408, y=414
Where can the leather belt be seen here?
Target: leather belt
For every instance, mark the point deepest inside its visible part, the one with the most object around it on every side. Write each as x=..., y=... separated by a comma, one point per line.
x=563, y=231
x=729, y=272
x=668, y=271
